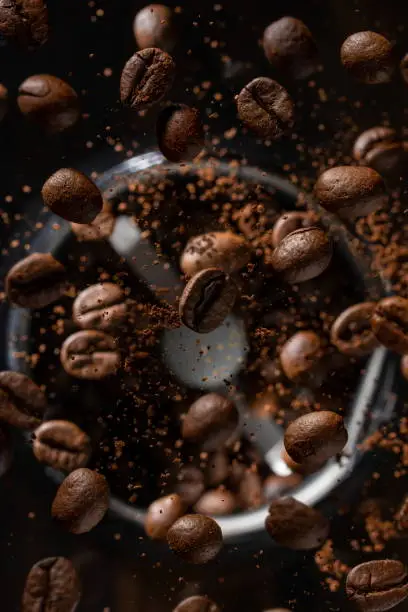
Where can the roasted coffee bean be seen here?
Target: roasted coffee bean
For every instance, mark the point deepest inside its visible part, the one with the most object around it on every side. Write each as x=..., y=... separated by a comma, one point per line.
x=197, y=603
x=368, y=57
x=22, y=403
x=146, y=78
x=315, y=437
x=266, y=108
x=81, y=501
x=48, y=101
x=195, y=538
x=224, y=250
x=404, y=67
x=376, y=586
x=288, y=223
x=61, y=445
x=401, y=518
x=250, y=490
x=303, y=358
x=161, y=515
x=299, y=470
x=190, y=484
x=99, y=229
x=90, y=354
x=351, y=191
x=302, y=255
x=210, y=421
x=102, y=306
x=404, y=366
x=295, y=525
x=207, y=300
x=218, y=468
x=6, y=453
x=72, y=195
x=290, y=48
x=381, y=149
x=216, y=502
x=390, y=323
x=52, y=585
x=180, y=133
x=277, y=486
x=3, y=101
x=351, y=332
x=36, y=281
x=153, y=27
x=24, y=22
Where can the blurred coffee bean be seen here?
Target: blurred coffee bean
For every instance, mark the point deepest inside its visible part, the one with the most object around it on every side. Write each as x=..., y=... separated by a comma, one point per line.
x=288, y=223
x=61, y=445
x=404, y=366
x=161, y=514
x=250, y=491
x=190, y=484
x=153, y=27
x=278, y=486
x=36, y=281
x=195, y=538
x=48, y=101
x=72, y=195
x=216, y=502
x=210, y=421
x=6, y=452
x=266, y=108
x=99, y=229
x=207, y=299
x=390, y=323
x=52, y=585
x=146, y=78
x=3, y=101
x=303, y=358
x=315, y=437
x=197, y=603
x=180, y=134
x=102, y=306
x=302, y=255
x=81, y=501
x=218, y=468
x=22, y=403
x=381, y=149
x=376, y=586
x=290, y=48
x=24, y=22
x=295, y=525
x=351, y=332
x=89, y=354
x=368, y=57
x=224, y=250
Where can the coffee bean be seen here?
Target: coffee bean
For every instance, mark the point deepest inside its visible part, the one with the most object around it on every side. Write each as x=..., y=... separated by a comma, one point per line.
x=218, y=468
x=302, y=255
x=153, y=27
x=180, y=134
x=36, y=281
x=102, y=306
x=52, y=585
x=288, y=223
x=266, y=108
x=401, y=518
x=48, y=101
x=224, y=250
x=290, y=48
x=99, y=229
x=381, y=149
x=210, y=421
x=161, y=515
x=6, y=452
x=91, y=355
x=250, y=490
x=72, y=195
x=368, y=57
x=376, y=586
x=190, y=484
x=404, y=67
x=295, y=525
x=351, y=192
x=302, y=358
x=315, y=437
x=22, y=403
x=351, y=332
x=216, y=502
x=24, y=22
x=197, y=603
x=195, y=538
x=146, y=78
x=404, y=366
x=61, y=445
x=3, y=101
x=390, y=323
x=299, y=470
x=277, y=486
x=81, y=501
x=207, y=300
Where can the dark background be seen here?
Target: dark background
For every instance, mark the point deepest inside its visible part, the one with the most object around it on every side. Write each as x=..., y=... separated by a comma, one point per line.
x=118, y=568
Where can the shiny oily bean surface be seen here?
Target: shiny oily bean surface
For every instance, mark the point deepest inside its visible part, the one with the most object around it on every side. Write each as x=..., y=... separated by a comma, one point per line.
x=294, y=525
x=351, y=332
x=368, y=57
x=36, y=281
x=52, y=585
x=302, y=255
x=377, y=586
x=61, y=445
x=153, y=27
x=302, y=358
x=195, y=538
x=72, y=195
x=390, y=323
x=210, y=421
x=197, y=603
x=207, y=300
x=102, y=307
x=288, y=223
x=22, y=403
x=161, y=514
x=90, y=355
x=223, y=250
x=180, y=133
